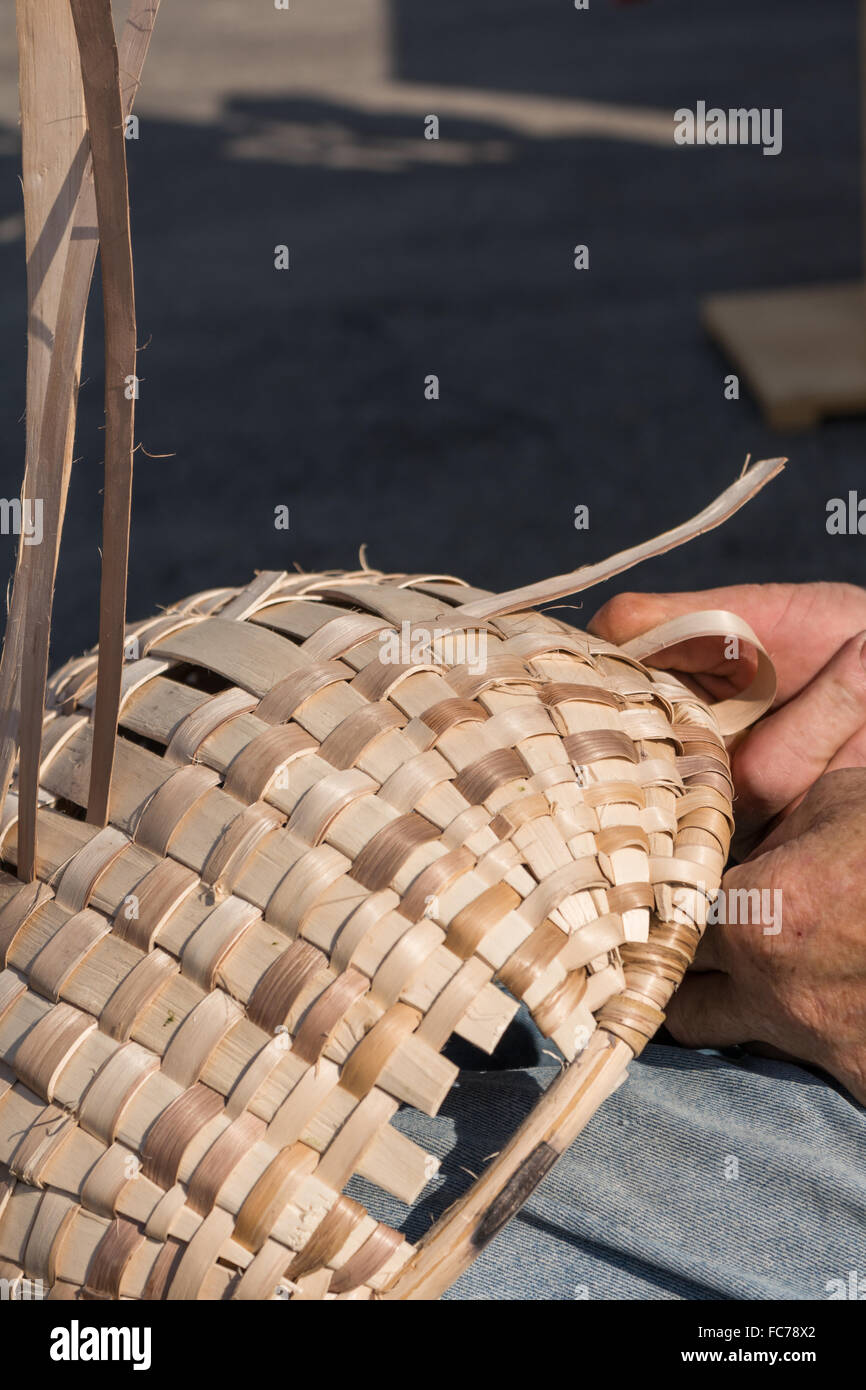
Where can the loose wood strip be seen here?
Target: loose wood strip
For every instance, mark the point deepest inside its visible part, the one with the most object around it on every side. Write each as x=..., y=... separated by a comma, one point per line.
x=101, y=80
x=743, y=490
x=54, y=165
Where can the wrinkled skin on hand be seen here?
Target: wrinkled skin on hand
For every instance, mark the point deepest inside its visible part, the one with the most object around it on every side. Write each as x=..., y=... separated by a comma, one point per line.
x=800, y=780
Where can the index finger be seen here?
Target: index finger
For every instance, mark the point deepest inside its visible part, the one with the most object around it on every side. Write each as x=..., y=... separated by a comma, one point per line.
x=801, y=625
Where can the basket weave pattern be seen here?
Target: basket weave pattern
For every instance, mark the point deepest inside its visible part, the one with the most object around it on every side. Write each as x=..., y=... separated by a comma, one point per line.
x=319, y=865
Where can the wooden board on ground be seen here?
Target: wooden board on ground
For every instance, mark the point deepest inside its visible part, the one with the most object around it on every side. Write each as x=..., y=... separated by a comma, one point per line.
x=802, y=352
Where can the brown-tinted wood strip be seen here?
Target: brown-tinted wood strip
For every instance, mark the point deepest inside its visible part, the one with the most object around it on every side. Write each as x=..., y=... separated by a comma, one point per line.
x=473, y=922
x=251, y=771
x=490, y=772
x=282, y=983
x=154, y=899
x=271, y=1193
x=328, y=1238
x=366, y=1262
x=214, y=1169
x=384, y=855
x=596, y=744
x=326, y=1012
x=174, y=1130
x=347, y=742
x=371, y=1055
x=121, y=1240
x=283, y=700
x=420, y=898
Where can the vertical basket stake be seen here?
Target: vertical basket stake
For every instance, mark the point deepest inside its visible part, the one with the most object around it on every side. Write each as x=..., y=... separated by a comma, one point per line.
x=57, y=304
x=100, y=74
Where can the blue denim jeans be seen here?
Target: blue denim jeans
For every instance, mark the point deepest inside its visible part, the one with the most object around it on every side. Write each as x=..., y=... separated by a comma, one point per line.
x=702, y=1177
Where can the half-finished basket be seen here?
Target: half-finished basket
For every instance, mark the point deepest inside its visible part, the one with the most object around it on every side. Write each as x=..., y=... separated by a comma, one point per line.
x=272, y=848
x=343, y=814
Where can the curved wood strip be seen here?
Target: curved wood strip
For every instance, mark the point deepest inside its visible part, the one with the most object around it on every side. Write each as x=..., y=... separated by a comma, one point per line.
x=135, y=992
x=174, y=1130
x=197, y=727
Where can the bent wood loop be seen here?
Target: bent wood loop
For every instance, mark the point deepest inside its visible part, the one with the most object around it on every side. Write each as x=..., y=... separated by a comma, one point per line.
x=737, y=713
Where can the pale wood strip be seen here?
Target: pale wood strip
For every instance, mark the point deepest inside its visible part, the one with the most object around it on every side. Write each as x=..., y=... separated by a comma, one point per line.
x=337, y=636
x=20, y=907
x=77, y=880
x=253, y=596
x=201, y=1252
x=263, y=1275
x=48, y=1233
x=199, y=1036
x=340, y=1159
x=113, y=1088
x=40, y=1144
x=206, y=715
x=237, y=843
x=249, y=656
x=107, y=1180
x=136, y=991
x=317, y=810
x=217, y=936
x=61, y=956
x=170, y=804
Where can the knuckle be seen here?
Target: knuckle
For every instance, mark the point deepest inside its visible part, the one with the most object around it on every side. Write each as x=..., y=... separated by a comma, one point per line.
x=622, y=616
x=851, y=596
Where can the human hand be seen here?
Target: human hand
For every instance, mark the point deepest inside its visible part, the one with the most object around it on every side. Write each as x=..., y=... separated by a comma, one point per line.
x=816, y=637
x=792, y=975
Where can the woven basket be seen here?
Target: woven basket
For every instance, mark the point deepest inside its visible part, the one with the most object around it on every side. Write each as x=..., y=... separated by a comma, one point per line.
x=271, y=854
x=347, y=820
